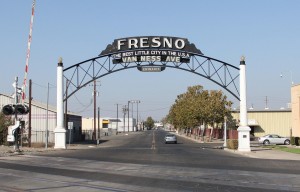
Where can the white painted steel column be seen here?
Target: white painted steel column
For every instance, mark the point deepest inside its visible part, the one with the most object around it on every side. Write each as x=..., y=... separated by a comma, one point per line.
x=244, y=129
x=60, y=130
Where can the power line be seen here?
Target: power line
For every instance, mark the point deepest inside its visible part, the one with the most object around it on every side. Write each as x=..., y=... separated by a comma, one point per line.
x=42, y=86
x=155, y=109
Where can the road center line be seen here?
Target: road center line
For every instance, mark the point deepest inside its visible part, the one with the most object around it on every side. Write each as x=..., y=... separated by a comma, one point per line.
x=153, y=141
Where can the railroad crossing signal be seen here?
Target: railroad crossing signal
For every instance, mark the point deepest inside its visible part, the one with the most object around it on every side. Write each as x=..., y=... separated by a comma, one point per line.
x=12, y=109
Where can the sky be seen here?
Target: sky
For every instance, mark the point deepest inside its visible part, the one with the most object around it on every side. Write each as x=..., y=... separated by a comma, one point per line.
x=266, y=32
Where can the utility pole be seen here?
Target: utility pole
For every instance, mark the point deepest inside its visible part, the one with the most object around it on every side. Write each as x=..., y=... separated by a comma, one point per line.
x=47, y=114
x=137, y=102
x=124, y=112
x=95, y=104
x=16, y=146
x=16, y=96
x=66, y=105
x=225, y=132
x=132, y=116
x=29, y=118
x=128, y=114
x=94, y=135
x=98, y=125
x=137, y=115
x=266, y=103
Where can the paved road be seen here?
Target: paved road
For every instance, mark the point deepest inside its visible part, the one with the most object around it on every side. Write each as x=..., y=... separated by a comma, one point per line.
x=142, y=162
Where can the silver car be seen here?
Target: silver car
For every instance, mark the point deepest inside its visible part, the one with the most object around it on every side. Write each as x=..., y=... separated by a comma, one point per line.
x=170, y=139
x=274, y=139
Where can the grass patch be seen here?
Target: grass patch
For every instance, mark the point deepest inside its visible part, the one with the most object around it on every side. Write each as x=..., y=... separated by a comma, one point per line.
x=284, y=148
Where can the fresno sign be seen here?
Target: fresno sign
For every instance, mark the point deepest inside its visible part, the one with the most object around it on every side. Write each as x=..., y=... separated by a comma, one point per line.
x=151, y=42
x=151, y=49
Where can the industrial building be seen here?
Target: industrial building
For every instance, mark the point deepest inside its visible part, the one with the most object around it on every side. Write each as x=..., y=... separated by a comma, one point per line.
x=43, y=118
x=284, y=122
x=264, y=122
x=108, y=126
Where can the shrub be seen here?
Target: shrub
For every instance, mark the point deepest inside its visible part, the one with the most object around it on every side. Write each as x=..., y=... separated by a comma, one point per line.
x=5, y=121
x=232, y=143
x=295, y=141
x=292, y=140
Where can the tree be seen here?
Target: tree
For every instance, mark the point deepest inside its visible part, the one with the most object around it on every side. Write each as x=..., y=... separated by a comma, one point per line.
x=218, y=108
x=149, y=123
x=199, y=107
x=5, y=121
x=186, y=111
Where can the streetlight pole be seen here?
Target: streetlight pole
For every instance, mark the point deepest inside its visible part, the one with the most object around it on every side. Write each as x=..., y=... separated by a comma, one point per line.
x=292, y=82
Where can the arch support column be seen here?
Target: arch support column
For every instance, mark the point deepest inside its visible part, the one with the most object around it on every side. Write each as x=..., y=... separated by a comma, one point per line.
x=244, y=129
x=60, y=130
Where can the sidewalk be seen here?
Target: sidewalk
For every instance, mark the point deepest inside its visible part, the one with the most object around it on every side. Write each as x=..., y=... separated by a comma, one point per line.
x=256, y=151
x=265, y=153
x=9, y=150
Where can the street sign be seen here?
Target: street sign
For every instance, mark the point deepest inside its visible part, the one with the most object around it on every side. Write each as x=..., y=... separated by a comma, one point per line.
x=151, y=69
x=70, y=125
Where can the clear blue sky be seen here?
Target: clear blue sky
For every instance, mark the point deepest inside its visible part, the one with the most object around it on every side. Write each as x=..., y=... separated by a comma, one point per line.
x=266, y=32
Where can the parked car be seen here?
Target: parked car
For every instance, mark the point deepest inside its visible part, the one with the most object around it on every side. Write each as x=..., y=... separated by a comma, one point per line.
x=274, y=139
x=170, y=139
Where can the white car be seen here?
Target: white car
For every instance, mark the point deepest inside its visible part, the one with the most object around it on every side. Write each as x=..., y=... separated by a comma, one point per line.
x=170, y=139
x=274, y=139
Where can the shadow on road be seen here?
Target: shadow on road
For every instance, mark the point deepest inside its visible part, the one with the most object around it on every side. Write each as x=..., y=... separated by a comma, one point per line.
x=89, y=142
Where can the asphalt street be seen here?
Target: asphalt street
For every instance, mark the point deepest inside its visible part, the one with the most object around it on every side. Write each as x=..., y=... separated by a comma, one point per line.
x=141, y=161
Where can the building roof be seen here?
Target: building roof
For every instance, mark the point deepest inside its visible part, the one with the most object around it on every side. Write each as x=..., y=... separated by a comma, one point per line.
x=263, y=110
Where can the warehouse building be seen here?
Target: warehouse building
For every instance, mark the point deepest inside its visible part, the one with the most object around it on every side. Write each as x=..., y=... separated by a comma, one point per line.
x=264, y=122
x=284, y=122
x=108, y=126
x=44, y=118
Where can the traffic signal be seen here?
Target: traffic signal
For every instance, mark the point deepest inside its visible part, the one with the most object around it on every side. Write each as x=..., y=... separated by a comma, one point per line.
x=19, y=109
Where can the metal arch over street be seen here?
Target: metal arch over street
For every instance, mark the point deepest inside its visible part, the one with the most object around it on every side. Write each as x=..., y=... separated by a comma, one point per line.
x=153, y=54
x=85, y=72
